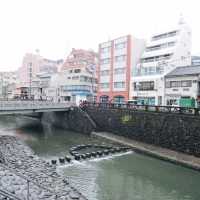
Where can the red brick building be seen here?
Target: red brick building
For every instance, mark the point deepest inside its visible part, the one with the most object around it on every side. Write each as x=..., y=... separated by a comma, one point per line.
x=116, y=61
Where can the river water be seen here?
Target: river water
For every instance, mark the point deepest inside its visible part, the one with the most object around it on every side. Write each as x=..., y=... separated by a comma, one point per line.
x=128, y=176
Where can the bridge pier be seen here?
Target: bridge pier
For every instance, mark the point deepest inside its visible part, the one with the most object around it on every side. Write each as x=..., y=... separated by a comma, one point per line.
x=73, y=119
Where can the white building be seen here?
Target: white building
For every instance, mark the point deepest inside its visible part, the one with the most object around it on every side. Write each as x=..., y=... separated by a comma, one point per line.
x=183, y=83
x=73, y=84
x=164, y=52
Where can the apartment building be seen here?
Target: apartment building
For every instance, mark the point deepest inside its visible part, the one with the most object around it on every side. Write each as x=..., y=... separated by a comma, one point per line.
x=7, y=84
x=117, y=58
x=77, y=80
x=164, y=52
x=34, y=66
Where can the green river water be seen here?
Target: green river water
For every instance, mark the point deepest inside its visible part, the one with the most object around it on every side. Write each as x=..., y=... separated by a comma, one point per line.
x=128, y=176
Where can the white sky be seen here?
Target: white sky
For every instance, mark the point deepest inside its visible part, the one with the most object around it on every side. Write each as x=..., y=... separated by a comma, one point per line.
x=56, y=26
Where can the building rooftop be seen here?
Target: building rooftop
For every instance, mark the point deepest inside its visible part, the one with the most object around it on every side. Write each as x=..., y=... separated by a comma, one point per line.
x=186, y=70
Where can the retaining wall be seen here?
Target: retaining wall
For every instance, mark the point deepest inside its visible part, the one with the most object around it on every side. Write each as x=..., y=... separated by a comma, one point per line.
x=169, y=130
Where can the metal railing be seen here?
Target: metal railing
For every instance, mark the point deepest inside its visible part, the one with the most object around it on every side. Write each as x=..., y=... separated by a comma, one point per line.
x=9, y=195
x=28, y=181
x=150, y=108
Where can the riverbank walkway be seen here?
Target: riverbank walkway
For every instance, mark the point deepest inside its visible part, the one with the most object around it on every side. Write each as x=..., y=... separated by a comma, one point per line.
x=185, y=160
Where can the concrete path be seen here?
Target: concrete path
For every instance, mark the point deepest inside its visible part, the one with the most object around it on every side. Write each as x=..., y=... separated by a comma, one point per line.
x=185, y=160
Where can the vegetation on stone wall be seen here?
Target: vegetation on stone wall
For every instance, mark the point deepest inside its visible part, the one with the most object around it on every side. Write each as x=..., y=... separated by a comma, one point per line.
x=126, y=119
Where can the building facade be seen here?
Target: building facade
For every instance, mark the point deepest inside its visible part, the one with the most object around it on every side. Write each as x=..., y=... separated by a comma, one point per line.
x=183, y=85
x=116, y=60
x=34, y=67
x=77, y=80
x=7, y=84
x=164, y=52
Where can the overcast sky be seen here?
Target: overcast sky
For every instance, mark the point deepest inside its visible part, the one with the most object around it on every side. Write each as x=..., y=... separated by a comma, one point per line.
x=56, y=26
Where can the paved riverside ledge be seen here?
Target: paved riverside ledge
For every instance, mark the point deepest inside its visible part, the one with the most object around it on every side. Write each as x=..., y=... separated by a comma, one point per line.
x=185, y=160
x=19, y=166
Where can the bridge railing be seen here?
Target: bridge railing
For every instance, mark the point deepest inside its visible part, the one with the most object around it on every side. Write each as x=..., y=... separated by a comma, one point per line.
x=18, y=105
x=153, y=108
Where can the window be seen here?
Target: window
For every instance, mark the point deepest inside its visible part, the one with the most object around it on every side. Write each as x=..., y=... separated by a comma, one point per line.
x=119, y=84
x=104, y=85
x=171, y=44
x=105, y=61
x=175, y=84
x=156, y=58
x=167, y=84
x=76, y=88
x=105, y=49
x=75, y=77
x=160, y=46
x=77, y=71
x=120, y=45
x=186, y=83
x=119, y=70
x=104, y=72
x=104, y=99
x=142, y=86
x=120, y=58
x=165, y=35
x=119, y=99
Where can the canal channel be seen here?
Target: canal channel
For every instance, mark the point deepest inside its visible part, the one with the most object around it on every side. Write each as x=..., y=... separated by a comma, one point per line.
x=127, y=176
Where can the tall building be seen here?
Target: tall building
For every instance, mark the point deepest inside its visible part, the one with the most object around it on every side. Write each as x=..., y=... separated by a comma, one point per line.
x=164, y=52
x=33, y=67
x=77, y=79
x=7, y=84
x=79, y=58
x=117, y=58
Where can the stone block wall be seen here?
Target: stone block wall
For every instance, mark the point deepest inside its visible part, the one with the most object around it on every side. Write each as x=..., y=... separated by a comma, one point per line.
x=169, y=130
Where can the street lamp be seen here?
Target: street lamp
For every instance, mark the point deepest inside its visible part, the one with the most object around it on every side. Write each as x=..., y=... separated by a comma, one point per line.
x=30, y=79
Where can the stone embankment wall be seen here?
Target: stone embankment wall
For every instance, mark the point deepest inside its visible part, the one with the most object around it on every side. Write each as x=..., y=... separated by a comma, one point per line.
x=75, y=119
x=169, y=130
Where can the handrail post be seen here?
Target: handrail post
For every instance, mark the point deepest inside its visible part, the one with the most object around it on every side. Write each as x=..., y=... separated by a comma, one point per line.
x=196, y=111
x=180, y=110
x=28, y=189
x=157, y=108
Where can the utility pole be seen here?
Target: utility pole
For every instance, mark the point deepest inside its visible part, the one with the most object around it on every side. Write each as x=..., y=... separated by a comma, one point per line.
x=2, y=85
x=28, y=192
x=30, y=79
